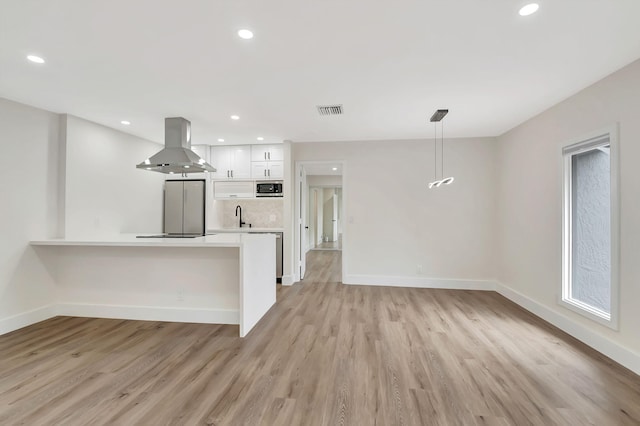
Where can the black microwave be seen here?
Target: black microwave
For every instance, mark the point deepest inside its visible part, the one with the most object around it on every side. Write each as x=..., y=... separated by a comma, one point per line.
x=268, y=189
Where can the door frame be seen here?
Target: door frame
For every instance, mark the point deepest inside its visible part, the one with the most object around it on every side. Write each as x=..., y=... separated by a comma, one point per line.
x=298, y=250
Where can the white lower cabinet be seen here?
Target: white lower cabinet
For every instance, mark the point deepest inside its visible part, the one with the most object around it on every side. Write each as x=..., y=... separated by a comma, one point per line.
x=234, y=189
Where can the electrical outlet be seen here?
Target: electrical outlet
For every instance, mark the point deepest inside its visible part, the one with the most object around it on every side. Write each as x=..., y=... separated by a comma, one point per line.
x=272, y=218
x=419, y=269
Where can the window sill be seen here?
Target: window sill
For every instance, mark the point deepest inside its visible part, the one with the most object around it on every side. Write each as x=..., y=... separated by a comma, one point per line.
x=587, y=311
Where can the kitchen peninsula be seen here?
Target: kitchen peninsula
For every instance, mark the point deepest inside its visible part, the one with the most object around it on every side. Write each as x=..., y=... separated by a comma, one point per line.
x=217, y=279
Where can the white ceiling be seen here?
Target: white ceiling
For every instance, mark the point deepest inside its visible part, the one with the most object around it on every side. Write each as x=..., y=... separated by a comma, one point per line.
x=390, y=63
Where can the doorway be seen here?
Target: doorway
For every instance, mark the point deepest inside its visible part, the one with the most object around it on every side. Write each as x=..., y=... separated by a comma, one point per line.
x=320, y=211
x=325, y=221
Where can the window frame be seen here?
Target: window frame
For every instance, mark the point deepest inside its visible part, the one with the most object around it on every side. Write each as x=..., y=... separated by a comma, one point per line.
x=607, y=136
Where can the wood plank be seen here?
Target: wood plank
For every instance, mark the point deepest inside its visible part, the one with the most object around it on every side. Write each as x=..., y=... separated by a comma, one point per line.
x=325, y=354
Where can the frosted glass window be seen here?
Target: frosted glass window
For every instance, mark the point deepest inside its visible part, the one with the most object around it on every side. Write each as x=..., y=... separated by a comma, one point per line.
x=590, y=229
x=591, y=221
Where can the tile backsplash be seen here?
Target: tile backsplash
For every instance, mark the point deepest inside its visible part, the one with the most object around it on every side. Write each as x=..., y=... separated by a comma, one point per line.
x=260, y=213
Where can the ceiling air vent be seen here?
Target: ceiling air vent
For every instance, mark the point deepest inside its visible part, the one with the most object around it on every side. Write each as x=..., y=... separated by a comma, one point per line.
x=330, y=109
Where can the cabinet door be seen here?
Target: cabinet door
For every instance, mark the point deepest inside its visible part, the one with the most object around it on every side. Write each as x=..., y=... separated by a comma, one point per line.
x=241, y=166
x=203, y=152
x=231, y=189
x=220, y=160
x=276, y=153
x=259, y=152
x=259, y=170
x=276, y=170
x=267, y=153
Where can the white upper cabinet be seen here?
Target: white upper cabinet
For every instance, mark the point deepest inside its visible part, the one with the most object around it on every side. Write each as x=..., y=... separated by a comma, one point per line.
x=267, y=153
x=203, y=152
x=267, y=162
x=267, y=170
x=241, y=162
x=219, y=159
x=262, y=162
x=238, y=189
x=231, y=162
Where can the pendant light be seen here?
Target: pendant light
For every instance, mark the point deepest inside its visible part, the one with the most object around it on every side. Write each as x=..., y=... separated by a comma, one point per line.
x=435, y=118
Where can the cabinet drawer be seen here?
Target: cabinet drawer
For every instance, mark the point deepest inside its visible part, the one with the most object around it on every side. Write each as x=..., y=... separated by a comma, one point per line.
x=234, y=189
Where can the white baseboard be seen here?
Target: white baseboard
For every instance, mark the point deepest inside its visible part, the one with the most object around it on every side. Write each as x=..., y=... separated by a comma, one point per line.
x=613, y=350
x=147, y=313
x=24, y=319
x=287, y=280
x=419, y=282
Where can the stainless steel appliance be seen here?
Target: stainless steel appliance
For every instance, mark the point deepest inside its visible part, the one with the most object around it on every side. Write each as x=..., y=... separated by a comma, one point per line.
x=269, y=189
x=184, y=202
x=177, y=156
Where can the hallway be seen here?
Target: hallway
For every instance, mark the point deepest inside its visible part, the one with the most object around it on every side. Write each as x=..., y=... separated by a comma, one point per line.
x=323, y=266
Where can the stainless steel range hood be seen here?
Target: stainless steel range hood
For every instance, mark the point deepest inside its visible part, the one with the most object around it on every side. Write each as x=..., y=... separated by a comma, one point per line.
x=176, y=157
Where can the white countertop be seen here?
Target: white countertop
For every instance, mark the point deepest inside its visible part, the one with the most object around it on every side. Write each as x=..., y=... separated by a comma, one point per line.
x=243, y=230
x=130, y=240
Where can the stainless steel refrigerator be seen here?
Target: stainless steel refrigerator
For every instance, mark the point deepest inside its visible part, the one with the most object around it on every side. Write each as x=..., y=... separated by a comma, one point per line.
x=184, y=207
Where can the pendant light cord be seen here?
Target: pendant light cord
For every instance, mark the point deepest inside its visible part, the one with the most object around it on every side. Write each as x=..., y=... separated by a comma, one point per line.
x=442, y=149
x=435, y=152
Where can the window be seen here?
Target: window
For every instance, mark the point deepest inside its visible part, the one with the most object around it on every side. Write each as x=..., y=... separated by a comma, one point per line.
x=590, y=228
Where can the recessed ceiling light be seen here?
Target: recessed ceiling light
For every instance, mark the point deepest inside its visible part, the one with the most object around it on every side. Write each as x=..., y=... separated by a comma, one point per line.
x=260, y=138
x=245, y=34
x=235, y=117
x=125, y=122
x=529, y=9
x=35, y=59
x=220, y=140
x=334, y=169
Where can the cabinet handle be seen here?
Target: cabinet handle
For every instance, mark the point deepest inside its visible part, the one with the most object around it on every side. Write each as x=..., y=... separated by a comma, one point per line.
x=228, y=173
x=231, y=173
x=265, y=155
x=265, y=172
x=269, y=172
x=269, y=155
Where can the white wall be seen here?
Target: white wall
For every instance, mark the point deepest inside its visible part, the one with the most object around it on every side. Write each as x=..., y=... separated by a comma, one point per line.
x=28, y=184
x=394, y=223
x=312, y=217
x=289, y=264
x=530, y=188
x=328, y=195
x=324, y=180
x=105, y=193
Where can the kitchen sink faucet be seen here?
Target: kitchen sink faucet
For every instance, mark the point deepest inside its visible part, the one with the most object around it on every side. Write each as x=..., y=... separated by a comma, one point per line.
x=240, y=222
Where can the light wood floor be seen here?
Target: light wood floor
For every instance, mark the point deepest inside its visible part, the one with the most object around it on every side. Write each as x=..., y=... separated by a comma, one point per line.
x=330, y=245
x=326, y=354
